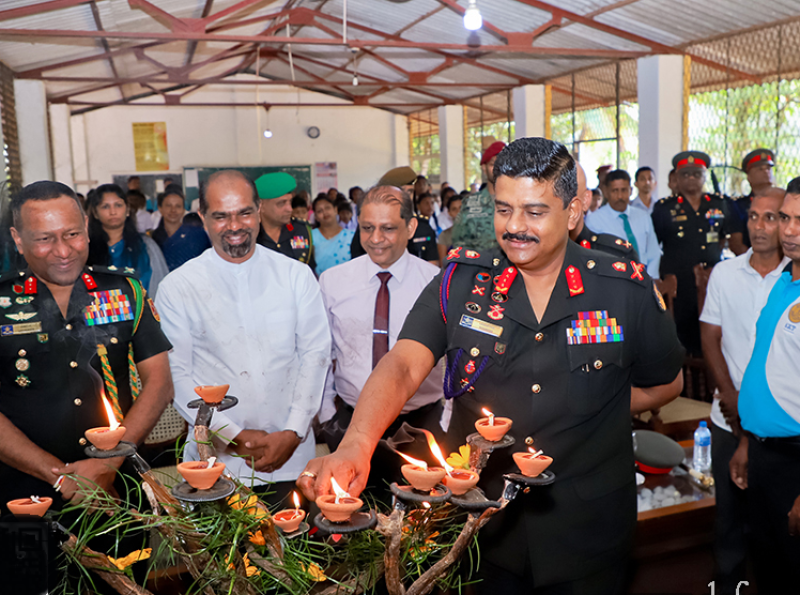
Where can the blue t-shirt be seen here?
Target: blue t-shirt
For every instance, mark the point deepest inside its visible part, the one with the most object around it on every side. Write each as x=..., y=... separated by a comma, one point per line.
x=329, y=253
x=769, y=398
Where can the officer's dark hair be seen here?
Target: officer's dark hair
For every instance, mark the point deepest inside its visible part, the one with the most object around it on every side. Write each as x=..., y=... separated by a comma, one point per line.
x=641, y=170
x=298, y=202
x=617, y=174
x=793, y=187
x=226, y=173
x=44, y=190
x=171, y=189
x=387, y=195
x=98, y=238
x=541, y=160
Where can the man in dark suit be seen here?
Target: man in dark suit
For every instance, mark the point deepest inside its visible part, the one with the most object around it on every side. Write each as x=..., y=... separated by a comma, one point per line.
x=553, y=336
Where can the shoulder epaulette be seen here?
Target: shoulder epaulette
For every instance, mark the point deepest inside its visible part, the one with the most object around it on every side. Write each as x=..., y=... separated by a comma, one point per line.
x=113, y=270
x=11, y=276
x=608, y=239
x=607, y=265
x=463, y=255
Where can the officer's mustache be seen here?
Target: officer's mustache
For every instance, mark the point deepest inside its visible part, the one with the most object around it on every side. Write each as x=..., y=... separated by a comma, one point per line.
x=519, y=237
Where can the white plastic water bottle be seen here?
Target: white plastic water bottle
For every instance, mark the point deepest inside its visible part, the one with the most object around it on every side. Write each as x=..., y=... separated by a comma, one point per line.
x=701, y=455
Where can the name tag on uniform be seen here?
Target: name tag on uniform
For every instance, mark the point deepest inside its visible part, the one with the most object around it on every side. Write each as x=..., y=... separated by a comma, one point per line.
x=680, y=218
x=109, y=306
x=487, y=328
x=8, y=330
x=712, y=237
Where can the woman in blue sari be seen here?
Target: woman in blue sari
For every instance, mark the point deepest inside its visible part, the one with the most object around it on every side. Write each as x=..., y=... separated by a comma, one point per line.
x=114, y=240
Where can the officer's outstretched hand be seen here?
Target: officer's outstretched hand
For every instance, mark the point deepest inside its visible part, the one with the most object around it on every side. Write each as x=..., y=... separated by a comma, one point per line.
x=349, y=465
x=276, y=448
x=83, y=477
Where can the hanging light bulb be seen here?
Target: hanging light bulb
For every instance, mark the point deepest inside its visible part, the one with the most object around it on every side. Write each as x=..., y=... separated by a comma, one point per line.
x=472, y=16
x=354, y=51
x=355, y=80
x=268, y=133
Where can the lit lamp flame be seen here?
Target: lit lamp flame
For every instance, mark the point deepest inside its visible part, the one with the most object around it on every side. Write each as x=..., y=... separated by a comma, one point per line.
x=535, y=453
x=296, y=499
x=488, y=414
x=113, y=424
x=437, y=452
x=338, y=491
x=415, y=462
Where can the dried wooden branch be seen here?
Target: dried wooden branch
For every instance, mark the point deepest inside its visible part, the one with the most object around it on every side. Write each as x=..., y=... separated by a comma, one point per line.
x=391, y=528
x=274, y=569
x=356, y=585
x=103, y=567
x=425, y=583
x=204, y=448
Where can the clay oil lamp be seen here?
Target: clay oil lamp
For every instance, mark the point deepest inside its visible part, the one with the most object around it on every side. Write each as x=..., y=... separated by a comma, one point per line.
x=106, y=438
x=339, y=506
x=33, y=506
x=532, y=463
x=421, y=477
x=492, y=428
x=212, y=395
x=459, y=481
x=289, y=520
x=201, y=475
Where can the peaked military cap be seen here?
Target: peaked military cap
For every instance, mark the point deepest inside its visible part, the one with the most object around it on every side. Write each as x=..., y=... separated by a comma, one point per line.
x=691, y=159
x=274, y=185
x=758, y=156
x=399, y=176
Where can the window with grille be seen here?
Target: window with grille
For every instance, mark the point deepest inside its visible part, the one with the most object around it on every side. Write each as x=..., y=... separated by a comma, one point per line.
x=8, y=117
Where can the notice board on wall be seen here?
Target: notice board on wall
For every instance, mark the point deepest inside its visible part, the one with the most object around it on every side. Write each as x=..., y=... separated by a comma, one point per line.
x=150, y=146
x=193, y=177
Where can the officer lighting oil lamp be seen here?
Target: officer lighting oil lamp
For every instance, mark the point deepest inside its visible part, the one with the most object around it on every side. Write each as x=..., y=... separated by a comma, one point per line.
x=106, y=438
x=492, y=428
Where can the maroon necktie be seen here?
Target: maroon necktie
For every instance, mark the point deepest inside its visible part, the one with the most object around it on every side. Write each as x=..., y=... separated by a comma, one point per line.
x=380, y=324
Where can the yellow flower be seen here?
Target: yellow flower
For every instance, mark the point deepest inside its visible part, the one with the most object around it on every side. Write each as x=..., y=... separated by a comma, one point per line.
x=314, y=572
x=125, y=561
x=257, y=538
x=460, y=459
x=252, y=505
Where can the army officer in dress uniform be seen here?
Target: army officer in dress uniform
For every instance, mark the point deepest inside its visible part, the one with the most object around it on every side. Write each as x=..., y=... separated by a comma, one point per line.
x=279, y=230
x=551, y=335
x=758, y=166
x=62, y=323
x=692, y=227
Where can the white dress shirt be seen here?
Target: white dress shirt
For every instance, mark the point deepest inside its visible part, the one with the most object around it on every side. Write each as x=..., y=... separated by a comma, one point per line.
x=259, y=326
x=637, y=203
x=607, y=220
x=735, y=297
x=349, y=291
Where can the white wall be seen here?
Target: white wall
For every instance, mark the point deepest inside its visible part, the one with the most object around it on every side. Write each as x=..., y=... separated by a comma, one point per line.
x=34, y=143
x=361, y=140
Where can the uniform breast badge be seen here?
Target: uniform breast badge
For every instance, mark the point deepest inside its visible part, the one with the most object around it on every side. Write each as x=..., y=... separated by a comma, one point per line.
x=109, y=306
x=23, y=381
x=637, y=271
x=5, y=302
x=794, y=313
x=495, y=312
x=594, y=327
x=21, y=316
x=620, y=266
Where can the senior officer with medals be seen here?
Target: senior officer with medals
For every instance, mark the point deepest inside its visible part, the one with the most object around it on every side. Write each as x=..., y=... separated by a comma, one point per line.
x=280, y=231
x=692, y=227
x=758, y=166
x=551, y=335
x=67, y=333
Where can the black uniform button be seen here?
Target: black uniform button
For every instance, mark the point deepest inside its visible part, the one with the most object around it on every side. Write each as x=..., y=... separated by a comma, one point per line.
x=536, y=389
x=539, y=337
x=702, y=247
x=73, y=364
x=82, y=441
x=78, y=402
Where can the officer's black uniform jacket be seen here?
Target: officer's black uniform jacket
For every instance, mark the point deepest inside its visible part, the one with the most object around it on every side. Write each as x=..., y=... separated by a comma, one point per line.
x=572, y=401
x=294, y=241
x=50, y=373
x=608, y=243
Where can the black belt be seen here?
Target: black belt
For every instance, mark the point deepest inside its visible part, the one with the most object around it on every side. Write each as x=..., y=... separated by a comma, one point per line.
x=788, y=440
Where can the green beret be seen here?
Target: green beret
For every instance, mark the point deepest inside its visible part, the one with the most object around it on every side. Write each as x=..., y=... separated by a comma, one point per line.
x=399, y=176
x=275, y=184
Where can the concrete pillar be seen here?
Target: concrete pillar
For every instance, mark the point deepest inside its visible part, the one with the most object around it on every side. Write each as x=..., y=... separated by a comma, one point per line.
x=451, y=144
x=660, y=90
x=530, y=110
x=80, y=154
x=62, y=144
x=30, y=101
x=400, y=141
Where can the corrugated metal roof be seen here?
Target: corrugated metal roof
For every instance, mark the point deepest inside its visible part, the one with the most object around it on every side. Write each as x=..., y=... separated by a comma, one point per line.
x=416, y=21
